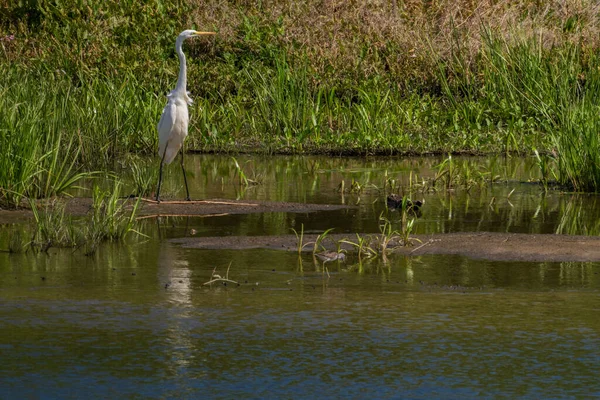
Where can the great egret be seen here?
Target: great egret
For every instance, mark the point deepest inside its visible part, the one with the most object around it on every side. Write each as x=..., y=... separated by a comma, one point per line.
x=173, y=124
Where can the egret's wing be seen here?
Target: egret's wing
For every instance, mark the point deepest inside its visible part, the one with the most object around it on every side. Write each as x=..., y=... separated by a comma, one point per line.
x=165, y=126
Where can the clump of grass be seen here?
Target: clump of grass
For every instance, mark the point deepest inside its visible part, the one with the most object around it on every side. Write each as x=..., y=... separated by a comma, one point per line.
x=39, y=137
x=369, y=246
x=299, y=239
x=408, y=222
x=318, y=243
x=109, y=220
x=363, y=246
x=53, y=227
x=144, y=176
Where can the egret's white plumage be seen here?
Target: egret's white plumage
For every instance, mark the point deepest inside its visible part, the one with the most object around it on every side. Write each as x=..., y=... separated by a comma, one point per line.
x=173, y=124
x=172, y=127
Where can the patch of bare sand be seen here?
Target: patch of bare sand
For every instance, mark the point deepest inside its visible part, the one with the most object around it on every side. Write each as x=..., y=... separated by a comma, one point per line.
x=80, y=206
x=480, y=245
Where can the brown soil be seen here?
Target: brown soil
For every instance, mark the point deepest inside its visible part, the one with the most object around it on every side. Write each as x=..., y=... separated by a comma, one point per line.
x=224, y=207
x=484, y=245
x=150, y=209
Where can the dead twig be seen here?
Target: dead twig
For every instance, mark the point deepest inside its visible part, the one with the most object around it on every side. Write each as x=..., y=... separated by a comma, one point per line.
x=217, y=278
x=425, y=244
x=197, y=202
x=181, y=215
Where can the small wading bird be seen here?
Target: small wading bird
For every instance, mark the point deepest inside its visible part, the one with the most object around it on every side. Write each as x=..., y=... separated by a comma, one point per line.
x=328, y=256
x=173, y=124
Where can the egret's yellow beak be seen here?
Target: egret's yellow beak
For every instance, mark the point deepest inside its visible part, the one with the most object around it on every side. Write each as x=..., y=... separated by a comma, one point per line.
x=204, y=33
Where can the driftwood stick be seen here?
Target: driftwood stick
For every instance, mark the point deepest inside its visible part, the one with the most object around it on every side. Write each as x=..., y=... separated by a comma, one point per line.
x=423, y=245
x=219, y=280
x=180, y=215
x=198, y=202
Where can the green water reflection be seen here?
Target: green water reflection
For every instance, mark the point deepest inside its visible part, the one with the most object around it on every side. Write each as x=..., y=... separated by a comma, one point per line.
x=513, y=204
x=135, y=320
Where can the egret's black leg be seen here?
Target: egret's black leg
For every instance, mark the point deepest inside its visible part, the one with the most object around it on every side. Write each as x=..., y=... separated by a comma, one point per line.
x=162, y=160
x=187, y=191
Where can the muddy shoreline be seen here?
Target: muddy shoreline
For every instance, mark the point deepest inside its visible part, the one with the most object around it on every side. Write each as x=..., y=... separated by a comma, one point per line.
x=479, y=245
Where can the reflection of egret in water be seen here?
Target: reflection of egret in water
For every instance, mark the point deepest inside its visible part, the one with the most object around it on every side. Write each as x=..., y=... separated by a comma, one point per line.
x=410, y=273
x=174, y=277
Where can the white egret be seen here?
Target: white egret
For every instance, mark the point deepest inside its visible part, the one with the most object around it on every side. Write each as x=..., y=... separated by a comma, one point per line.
x=173, y=124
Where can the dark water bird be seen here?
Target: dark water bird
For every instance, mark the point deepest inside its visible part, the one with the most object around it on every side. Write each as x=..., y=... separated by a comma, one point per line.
x=173, y=124
x=395, y=201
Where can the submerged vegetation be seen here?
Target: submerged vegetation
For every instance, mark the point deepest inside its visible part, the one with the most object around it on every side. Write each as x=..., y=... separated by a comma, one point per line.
x=382, y=77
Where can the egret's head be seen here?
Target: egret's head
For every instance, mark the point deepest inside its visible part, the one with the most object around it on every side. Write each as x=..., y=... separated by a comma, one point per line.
x=188, y=33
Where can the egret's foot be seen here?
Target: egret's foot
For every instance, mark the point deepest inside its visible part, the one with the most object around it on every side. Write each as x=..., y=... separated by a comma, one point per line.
x=188, y=199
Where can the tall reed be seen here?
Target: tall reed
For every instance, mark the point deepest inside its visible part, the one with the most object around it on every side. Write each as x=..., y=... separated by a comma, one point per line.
x=297, y=79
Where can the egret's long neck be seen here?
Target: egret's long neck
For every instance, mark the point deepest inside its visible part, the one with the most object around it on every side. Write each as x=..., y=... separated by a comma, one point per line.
x=182, y=79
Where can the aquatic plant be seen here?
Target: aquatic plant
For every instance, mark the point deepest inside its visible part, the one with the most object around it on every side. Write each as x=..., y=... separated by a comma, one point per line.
x=355, y=187
x=214, y=277
x=53, y=228
x=387, y=233
x=144, y=177
x=110, y=219
x=299, y=239
x=363, y=246
x=318, y=243
x=407, y=229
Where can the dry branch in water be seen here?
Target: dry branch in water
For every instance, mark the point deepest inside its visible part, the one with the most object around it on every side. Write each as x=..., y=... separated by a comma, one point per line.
x=217, y=278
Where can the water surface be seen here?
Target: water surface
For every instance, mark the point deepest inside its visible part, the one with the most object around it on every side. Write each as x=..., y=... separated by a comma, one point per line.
x=135, y=320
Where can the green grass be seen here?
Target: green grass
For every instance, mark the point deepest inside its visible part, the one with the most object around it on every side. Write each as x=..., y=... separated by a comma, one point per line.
x=263, y=85
x=40, y=152
x=110, y=220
